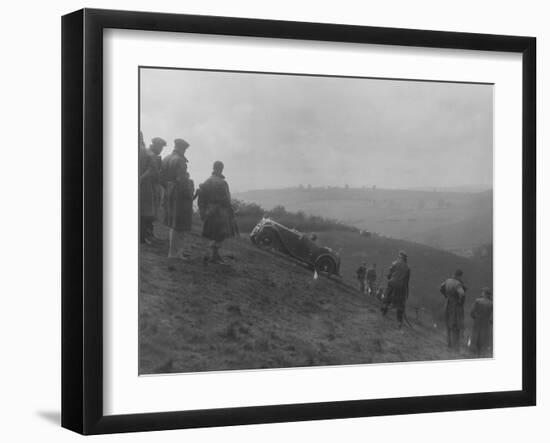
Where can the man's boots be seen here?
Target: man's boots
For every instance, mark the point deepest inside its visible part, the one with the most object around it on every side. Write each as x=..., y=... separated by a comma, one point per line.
x=216, y=258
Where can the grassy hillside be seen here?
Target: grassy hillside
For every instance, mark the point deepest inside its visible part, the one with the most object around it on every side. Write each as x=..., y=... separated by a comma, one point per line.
x=423, y=216
x=466, y=234
x=261, y=310
x=429, y=267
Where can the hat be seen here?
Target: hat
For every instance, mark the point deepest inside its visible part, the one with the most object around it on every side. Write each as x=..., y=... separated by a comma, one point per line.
x=402, y=254
x=157, y=141
x=458, y=273
x=181, y=143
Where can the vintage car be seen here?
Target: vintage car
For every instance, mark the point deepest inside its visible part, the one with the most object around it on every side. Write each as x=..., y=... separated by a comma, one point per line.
x=271, y=234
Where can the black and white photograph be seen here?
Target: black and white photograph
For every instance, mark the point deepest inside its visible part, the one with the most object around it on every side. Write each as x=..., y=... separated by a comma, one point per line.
x=333, y=229
x=290, y=220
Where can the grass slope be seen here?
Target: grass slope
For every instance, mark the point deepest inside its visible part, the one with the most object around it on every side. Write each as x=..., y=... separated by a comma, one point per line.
x=261, y=310
x=468, y=233
x=429, y=267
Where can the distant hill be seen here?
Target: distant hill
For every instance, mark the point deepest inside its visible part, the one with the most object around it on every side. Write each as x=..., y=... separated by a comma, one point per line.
x=262, y=309
x=464, y=188
x=417, y=215
x=462, y=235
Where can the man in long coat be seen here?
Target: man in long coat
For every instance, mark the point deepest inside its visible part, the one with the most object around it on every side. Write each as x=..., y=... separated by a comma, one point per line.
x=454, y=291
x=398, y=287
x=482, y=334
x=178, y=199
x=371, y=279
x=216, y=211
x=361, y=274
x=143, y=165
x=149, y=185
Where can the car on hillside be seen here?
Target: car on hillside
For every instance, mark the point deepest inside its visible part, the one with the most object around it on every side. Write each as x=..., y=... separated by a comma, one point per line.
x=269, y=233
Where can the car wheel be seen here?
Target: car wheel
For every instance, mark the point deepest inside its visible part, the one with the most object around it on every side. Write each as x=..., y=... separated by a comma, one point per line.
x=267, y=239
x=326, y=265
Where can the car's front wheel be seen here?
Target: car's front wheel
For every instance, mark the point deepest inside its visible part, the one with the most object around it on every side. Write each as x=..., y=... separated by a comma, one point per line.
x=326, y=265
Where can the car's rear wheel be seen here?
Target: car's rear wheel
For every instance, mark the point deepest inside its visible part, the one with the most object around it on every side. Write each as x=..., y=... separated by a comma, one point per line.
x=326, y=265
x=267, y=239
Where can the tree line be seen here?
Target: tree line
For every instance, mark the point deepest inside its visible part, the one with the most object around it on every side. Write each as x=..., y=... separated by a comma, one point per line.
x=249, y=214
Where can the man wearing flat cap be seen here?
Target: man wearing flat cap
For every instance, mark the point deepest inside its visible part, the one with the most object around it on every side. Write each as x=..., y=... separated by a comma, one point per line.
x=216, y=211
x=149, y=185
x=178, y=200
x=454, y=291
x=482, y=334
x=398, y=287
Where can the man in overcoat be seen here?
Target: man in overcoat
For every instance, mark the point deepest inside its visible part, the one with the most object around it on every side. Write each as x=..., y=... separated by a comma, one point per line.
x=149, y=185
x=482, y=334
x=178, y=199
x=398, y=287
x=361, y=273
x=143, y=165
x=454, y=291
x=371, y=279
x=216, y=211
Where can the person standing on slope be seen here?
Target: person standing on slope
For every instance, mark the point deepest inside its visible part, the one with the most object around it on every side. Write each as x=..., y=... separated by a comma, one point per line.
x=216, y=211
x=454, y=291
x=371, y=279
x=482, y=334
x=398, y=287
x=178, y=200
x=149, y=186
x=361, y=273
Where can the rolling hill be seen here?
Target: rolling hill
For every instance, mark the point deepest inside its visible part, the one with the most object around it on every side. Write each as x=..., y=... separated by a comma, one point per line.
x=261, y=310
x=444, y=219
x=463, y=235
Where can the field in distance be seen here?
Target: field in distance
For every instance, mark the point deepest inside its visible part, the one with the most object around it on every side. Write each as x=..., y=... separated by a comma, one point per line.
x=456, y=220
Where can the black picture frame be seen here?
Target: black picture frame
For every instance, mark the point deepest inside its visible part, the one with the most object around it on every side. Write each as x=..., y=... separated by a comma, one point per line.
x=82, y=220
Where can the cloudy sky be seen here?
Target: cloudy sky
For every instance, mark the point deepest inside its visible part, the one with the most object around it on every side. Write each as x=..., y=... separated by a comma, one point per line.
x=275, y=131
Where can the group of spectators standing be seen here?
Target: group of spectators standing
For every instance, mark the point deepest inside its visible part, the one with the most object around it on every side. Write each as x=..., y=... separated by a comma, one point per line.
x=167, y=193
x=397, y=290
x=367, y=278
x=454, y=291
x=481, y=339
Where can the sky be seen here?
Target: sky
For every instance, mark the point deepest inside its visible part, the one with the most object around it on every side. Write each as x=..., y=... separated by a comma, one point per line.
x=277, y=131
